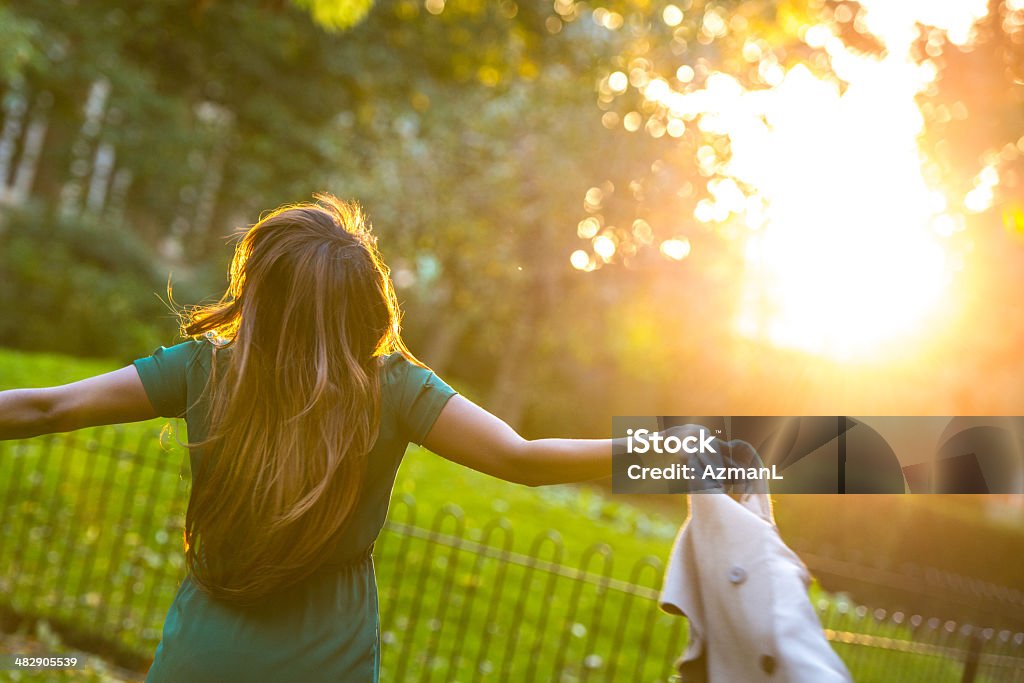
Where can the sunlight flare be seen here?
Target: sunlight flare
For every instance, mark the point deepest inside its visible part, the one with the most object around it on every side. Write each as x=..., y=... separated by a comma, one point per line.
x=845, y=240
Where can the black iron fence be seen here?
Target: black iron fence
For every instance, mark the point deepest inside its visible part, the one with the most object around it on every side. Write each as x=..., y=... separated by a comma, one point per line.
x=90, y=541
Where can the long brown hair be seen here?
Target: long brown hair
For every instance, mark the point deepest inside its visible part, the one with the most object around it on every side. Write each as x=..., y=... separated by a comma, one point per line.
x=296, y=410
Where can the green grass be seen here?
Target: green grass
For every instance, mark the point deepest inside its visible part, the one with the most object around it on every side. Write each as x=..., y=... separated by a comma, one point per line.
x=96, y=546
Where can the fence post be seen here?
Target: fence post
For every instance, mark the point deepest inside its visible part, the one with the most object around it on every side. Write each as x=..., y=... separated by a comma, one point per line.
x=973, y=657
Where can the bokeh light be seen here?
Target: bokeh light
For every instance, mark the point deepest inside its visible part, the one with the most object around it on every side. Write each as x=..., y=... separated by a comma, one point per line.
x=579, y=259
x=676, y=249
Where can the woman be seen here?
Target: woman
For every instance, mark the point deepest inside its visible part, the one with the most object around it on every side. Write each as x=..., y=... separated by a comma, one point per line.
x=299, y=398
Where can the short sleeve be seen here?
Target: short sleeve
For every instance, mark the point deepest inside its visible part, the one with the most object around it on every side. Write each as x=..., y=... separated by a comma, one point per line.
x=417, y=396
x=164, y=376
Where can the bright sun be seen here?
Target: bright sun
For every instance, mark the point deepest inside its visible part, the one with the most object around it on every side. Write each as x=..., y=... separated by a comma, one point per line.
x=846, y=242
x=848, y=245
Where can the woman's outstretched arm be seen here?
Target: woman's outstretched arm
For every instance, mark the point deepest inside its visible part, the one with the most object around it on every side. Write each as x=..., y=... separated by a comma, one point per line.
x=469, y=435
x=114, y=397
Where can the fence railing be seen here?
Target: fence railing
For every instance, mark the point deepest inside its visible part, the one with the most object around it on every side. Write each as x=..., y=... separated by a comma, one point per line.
x=90, y=541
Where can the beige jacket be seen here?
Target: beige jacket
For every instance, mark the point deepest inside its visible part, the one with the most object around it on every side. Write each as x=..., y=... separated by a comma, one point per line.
x=745, y=595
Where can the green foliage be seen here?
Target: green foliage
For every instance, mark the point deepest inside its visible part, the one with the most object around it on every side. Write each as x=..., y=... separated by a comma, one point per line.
x=453, y=129
x=76, y=286
x=19, y=45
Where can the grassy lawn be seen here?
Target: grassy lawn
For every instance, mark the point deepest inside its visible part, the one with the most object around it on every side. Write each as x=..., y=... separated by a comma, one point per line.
x=93, y=543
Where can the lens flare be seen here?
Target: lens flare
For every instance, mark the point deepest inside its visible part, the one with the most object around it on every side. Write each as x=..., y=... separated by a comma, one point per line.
x=846, y=244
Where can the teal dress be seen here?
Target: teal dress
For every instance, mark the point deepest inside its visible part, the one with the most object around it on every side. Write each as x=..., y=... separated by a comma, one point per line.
x=325, y=628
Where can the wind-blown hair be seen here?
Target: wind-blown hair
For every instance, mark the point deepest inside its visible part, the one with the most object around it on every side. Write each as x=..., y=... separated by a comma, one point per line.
x=295, y=407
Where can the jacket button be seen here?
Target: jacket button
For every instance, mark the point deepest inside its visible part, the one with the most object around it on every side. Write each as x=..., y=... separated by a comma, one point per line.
x=737, y=574
x=768, y=664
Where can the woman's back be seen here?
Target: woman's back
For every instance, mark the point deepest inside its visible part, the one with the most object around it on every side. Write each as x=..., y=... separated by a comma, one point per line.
x=324, y=627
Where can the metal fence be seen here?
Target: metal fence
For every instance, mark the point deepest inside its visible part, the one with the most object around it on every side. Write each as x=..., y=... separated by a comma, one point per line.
x=90, y=541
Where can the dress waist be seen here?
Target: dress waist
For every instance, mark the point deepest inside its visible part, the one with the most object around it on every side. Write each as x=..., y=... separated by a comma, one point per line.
x=349, y=562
